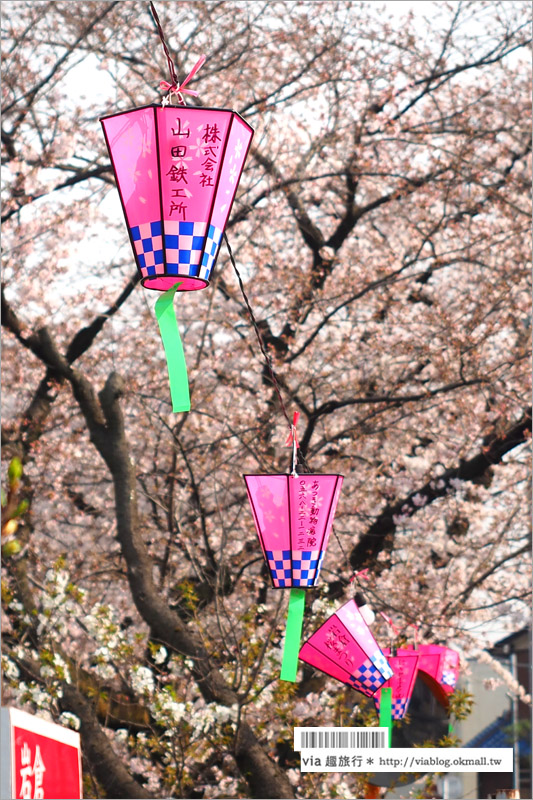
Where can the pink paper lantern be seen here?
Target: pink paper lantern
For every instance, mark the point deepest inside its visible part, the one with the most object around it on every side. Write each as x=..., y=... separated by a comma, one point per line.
x=293, y=516
x=177, y=170
x=405, y=667
x=441, y=663
x=430, y=656
x=344, y=648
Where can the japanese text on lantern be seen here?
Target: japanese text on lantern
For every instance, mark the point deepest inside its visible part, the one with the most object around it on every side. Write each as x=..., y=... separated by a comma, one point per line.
x=27, y=770
x=313, y=516
x=401, y=674
x=307, y=516
x=302, y=513
x=206, y=157
x=337, y=642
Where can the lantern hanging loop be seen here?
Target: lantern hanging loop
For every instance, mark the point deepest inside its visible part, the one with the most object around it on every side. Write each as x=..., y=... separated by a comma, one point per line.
x=294, y=451
x=359, y=575
x=179, y=91
x=174, y=88
x=391, y=624
x=292, y=439
x=414, y=626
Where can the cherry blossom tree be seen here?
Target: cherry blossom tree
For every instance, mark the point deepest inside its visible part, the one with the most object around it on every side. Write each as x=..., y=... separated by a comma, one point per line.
x=381, y=239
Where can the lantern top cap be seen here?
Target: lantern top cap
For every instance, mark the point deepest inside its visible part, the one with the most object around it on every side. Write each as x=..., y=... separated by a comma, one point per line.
x=290, y=475
x=176, y=108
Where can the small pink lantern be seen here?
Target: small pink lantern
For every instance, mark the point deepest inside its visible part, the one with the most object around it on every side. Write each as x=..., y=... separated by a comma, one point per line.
x=441, y=663
x=344, y=648
x=293, y=517
x=177, y=171
x=405, y=667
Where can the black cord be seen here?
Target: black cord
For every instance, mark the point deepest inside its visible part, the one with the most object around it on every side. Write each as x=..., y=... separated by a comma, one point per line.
x=259, y=337
x=171, y=66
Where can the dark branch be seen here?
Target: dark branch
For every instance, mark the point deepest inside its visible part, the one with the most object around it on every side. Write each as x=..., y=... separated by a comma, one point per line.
x=380, y=536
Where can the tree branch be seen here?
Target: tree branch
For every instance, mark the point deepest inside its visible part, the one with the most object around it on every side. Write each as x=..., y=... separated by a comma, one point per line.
x=380, y=536
x=104, y=419
x=107, y=766
x=39, y=408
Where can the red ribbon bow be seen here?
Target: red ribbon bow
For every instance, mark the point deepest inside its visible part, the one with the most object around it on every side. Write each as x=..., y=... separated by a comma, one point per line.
x=178, y=89
x=390, y=622
x=292, y=437
x=362, y=573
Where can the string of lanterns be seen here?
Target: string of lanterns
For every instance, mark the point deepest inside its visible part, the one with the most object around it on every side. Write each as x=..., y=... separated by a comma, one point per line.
x=177, y=169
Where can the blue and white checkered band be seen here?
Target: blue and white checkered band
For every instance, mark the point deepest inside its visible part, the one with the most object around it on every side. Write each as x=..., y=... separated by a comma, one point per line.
x=148, y=247
x=184, y=243
x=399, y=707
x=382, y=664
x=448, y=678
x=214, y=237
x=360, y=687
x=368, y=676
x=301, y=570
x=305, y=566
x=279, y=564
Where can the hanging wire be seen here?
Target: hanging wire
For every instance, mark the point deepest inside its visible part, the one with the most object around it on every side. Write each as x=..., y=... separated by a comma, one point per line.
x=268, y=360
x=275, y=383
x=174, y=88
x=171, y=67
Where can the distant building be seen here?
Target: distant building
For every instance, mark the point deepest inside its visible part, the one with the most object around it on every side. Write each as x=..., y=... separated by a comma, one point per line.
x=514, y=727
x=498, y=720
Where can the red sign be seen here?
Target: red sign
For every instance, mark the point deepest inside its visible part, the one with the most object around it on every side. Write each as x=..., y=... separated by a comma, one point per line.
x=45, y=758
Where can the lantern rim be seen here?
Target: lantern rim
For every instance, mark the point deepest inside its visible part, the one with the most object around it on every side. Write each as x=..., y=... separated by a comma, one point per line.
x=179, y=279
x=175, y=108
x=154, y=271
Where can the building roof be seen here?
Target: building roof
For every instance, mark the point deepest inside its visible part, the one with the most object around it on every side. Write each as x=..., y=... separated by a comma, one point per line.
x=505, y=646
x=499, y=734
x=494, y=735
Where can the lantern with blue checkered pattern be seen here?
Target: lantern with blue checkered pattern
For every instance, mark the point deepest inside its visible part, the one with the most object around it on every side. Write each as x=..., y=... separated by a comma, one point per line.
x=404, y=663
x=345, y=648
x=293, y=516
x=438, y=668
x=177, y=170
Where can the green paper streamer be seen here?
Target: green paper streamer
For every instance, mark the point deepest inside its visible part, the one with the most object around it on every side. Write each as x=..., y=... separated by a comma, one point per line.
x=385, y=711
x=177, y=368
x=293, y=632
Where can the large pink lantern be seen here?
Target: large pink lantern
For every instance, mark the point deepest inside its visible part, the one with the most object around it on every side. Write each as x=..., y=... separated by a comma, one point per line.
x=405, y=667
x=293, y=516
x=344, y=648
x=177, y=170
